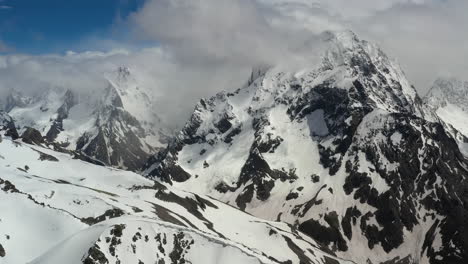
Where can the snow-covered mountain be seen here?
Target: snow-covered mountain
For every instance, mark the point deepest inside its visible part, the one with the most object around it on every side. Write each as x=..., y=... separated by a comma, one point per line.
x=341, y=150
x=116, y=125
x=56, y=209
x=447, y=100
x=8, y=125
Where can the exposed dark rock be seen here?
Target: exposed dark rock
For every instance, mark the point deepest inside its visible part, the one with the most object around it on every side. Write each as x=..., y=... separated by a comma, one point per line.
x=32, y=136
x=245, y=197
x=181, y=247
x=109, y=214
x=398, y=260
x=349, y=220
x=7, y=186
x=116, y=233
x=62, y=113
x=223, y=125
x=8, y=125
x=303, y=259
x=136, y=237
x=325, y=234
x=234, y=132
x=2, y=251
x=257, y=170
x=43, y=156
x=223, y=187
x=95, y=256
x=291, y=196
x=315, y=178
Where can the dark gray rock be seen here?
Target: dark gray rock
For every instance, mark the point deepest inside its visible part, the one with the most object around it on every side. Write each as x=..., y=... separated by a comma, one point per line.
x=32, y=136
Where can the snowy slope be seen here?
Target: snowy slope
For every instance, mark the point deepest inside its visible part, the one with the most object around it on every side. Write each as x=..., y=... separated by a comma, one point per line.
x=339, y=149
x=116, y=125
x=447, y=100
x=56, y=209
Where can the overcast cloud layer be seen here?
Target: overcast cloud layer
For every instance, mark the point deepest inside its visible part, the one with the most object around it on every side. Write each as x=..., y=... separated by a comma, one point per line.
x=204, y=46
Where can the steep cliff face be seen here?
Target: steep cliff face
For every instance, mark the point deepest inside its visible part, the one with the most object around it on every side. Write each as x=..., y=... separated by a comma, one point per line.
x=340, y=150
x=117, y=125
x=7, y=125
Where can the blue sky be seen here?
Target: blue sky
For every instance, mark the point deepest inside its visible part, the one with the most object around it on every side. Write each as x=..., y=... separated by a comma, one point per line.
x=55, y=26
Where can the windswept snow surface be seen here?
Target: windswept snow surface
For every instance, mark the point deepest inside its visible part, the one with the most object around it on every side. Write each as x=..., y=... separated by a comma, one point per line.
x=56, y=209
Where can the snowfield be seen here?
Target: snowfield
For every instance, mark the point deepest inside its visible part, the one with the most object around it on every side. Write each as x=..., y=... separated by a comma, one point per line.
x=56, y=209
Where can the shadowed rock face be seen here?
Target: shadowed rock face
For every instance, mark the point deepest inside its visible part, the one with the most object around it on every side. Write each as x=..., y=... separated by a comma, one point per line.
x=32, y=136
x=373, y=176
x=116, y=126
x=117, y=137
x=118, y=140
x=8, y=125
x=69, y=101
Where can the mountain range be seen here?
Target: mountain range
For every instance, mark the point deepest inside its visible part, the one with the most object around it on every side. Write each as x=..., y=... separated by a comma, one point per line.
x=116, y=125
x=338, y=162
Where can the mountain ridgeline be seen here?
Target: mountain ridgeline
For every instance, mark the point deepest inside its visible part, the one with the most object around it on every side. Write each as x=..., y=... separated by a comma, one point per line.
x=343, y=151
x=339, y=162
x=106, y=126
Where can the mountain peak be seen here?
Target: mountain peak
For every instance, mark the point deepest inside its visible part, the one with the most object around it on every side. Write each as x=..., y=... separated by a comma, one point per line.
x=346, y=38
x=14, y=99
x=337, y=138
x=123, y=74
x=448, y=90
x=123, y=70
x=112, y=97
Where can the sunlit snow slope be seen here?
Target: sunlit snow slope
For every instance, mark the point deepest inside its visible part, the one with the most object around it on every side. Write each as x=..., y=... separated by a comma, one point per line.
x=56, y=209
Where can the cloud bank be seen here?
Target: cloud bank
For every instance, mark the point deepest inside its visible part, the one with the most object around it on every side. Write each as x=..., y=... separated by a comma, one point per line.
x=201, y=47
x=429, y=39
x=426, y=36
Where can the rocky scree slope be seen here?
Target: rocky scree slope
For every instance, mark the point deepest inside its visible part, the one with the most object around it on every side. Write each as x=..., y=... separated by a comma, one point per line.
x=340, y=150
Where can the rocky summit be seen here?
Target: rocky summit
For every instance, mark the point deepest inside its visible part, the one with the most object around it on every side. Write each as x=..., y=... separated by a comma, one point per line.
x=105, y=125
x=342, y=151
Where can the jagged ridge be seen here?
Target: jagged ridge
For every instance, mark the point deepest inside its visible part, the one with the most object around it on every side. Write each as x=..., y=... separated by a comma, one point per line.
x=341, y=150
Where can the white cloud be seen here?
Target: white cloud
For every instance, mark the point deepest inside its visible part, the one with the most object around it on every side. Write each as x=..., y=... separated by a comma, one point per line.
x=219, y=31
x=205, y=46
x=428, y=39
x=427, y=36
x=176, y=88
